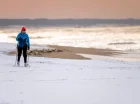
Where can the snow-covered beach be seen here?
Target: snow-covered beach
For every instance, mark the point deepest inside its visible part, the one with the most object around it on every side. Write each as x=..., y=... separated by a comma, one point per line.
x=103, y=78
x=65, y=81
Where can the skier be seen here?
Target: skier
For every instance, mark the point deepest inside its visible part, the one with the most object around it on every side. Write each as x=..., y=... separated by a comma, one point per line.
x=23, y=45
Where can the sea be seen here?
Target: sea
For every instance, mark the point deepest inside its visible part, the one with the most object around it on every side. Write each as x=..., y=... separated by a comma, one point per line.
x=116, y=34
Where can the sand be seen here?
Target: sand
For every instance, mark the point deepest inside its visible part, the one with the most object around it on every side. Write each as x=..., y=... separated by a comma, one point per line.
x=66, y=52
x=71, y=52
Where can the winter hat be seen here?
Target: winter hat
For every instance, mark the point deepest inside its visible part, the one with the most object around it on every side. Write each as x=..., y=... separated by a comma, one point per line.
x=23, y=29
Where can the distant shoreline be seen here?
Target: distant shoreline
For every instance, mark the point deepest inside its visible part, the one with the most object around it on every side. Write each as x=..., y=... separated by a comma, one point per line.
x=69, y=18
x=68, y=22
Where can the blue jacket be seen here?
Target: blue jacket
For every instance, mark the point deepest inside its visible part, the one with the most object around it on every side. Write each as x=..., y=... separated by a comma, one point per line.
x=23, y=40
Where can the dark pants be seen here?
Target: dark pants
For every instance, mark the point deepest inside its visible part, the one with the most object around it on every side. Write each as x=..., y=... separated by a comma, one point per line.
x=24, y=49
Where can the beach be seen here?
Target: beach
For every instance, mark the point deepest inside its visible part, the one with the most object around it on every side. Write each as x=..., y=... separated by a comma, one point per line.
x=72, y=65
x=96, y=80
x=66, y=52
x=78, y=53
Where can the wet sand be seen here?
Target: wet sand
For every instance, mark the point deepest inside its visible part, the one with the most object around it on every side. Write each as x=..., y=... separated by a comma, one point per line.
x=66, y=52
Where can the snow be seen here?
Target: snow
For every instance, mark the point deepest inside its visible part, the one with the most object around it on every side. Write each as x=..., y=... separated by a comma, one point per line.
x=64, y=81
x=122, y=57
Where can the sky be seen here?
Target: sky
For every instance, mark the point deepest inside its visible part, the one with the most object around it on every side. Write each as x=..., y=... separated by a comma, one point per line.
x=69, y=9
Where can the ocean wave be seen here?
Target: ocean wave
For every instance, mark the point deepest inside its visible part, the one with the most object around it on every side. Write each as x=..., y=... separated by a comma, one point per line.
x=38, y=37
x=122, y=43
x=118, y=38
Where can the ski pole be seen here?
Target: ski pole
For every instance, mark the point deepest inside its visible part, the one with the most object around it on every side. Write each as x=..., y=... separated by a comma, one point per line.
x=28, y=57
x=16, y=57
x=16, y=60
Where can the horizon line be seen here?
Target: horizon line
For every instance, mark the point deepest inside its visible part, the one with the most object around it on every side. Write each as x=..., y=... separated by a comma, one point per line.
x=70, y=18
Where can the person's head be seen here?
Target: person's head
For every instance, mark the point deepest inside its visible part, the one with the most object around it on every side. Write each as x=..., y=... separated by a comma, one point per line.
x=23, y=30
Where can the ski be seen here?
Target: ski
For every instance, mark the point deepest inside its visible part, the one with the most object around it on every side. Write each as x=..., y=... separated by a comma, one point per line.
x=22, y=66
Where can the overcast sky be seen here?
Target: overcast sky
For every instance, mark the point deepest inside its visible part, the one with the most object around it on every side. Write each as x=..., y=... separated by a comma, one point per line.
x=69, y=8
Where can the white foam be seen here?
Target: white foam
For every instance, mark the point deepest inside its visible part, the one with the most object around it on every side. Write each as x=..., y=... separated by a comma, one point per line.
x=97, y=37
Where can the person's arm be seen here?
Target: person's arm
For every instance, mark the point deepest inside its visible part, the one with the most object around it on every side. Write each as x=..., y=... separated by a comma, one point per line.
x=28, y=42
x=18, y=37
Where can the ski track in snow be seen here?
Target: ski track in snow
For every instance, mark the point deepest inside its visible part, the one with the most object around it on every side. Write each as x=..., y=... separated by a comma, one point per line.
x=63, y=81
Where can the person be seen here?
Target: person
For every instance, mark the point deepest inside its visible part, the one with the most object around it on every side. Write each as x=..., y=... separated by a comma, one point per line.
x=23, y=45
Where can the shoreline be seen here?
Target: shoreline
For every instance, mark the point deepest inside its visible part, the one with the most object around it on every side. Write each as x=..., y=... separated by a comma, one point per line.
x=66, y=52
